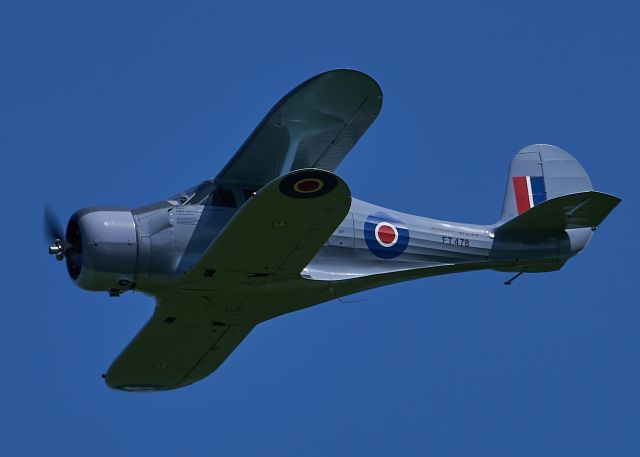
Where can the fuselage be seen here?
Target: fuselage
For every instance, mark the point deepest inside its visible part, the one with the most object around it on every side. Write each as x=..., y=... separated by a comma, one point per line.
x=150, y=249
x=371, y=240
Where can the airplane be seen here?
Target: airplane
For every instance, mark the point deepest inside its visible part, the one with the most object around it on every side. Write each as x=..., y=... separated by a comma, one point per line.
x=277, y=231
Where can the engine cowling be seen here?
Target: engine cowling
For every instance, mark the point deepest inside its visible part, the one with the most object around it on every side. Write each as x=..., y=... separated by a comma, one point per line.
x=102, y=249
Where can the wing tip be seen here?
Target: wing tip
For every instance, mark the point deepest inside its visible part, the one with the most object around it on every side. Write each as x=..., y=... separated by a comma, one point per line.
x=120, y=383
x=351, y=72
x=138, y=387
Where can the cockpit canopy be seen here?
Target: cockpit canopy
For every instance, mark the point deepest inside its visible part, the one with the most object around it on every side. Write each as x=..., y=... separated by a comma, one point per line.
x=208, y=193
x=212, y=193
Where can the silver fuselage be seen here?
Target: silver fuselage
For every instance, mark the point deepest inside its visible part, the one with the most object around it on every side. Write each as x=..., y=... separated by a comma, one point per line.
x=171, y=240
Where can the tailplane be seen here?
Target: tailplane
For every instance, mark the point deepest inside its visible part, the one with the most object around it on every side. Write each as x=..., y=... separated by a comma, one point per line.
x=579, y=210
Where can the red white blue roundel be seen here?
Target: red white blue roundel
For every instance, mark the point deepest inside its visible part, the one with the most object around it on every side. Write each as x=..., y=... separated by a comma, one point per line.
x=386, y=236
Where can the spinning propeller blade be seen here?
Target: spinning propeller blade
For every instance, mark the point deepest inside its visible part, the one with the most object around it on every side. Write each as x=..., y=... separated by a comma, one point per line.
x=52, y=227
x=54, y=234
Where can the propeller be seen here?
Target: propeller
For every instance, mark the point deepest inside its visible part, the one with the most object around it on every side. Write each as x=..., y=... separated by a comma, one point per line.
x=53, y=231
x=52, y=226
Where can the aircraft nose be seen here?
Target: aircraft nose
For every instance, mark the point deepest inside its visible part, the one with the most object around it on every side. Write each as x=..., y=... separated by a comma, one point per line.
x=103, y=249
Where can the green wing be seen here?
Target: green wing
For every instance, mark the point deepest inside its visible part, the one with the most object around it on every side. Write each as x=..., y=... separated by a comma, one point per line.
x=277, y=232
x=180, y=345
x=313, y=126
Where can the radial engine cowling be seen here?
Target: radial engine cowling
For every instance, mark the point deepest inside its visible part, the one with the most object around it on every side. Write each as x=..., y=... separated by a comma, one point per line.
x=102, y=249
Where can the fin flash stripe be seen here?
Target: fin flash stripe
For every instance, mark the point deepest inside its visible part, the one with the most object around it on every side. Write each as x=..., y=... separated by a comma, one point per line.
x=529, y=191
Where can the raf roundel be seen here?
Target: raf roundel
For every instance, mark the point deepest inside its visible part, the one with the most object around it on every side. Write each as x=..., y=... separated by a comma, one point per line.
x=386, y=236
x=308, y=184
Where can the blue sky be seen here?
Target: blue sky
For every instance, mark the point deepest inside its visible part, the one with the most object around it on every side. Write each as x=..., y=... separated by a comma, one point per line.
x=124, y=103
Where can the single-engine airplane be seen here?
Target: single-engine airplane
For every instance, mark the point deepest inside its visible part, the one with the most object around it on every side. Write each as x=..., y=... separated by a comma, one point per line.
x=277, y=231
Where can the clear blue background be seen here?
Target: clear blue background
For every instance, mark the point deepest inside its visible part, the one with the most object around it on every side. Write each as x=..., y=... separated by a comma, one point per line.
x=128, y=102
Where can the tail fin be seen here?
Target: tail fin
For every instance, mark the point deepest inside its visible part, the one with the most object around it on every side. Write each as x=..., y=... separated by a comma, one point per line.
x=551, y=180
x=539, y=173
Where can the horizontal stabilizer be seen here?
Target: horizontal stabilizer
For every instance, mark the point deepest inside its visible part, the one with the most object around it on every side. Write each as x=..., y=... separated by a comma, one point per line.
x=582, y=209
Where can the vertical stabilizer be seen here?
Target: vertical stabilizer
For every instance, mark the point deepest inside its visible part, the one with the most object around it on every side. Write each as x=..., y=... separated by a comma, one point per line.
x=539, y=173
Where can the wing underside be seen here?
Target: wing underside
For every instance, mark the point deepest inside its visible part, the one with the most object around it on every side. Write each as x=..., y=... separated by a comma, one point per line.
x=277, y=232
x=274, y=235
x=177, y=347
x=314, y=126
